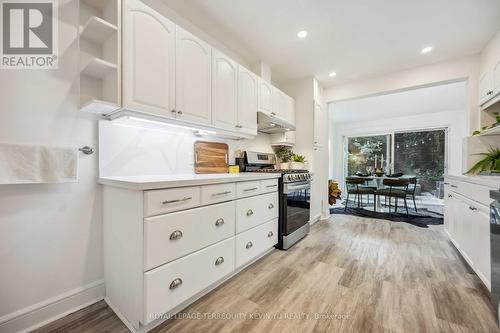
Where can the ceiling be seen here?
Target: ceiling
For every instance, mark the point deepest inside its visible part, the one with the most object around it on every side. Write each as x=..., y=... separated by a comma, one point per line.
x=440, y=98
x=353, y=38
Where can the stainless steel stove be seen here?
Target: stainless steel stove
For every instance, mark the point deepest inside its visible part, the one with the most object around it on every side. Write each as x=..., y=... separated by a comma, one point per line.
x=294, y=197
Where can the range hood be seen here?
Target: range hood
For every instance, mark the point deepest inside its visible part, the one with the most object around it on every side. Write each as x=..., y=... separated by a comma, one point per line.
x=272, y=124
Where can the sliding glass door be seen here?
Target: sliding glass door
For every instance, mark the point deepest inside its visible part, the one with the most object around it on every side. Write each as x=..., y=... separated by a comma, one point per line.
x=422, y=153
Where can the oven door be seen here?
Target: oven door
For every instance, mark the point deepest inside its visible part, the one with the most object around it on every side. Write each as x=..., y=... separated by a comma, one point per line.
x=297, y=204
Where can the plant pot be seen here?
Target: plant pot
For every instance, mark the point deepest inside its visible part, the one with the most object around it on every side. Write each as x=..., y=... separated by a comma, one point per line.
x=284, y=165
x=296, y=165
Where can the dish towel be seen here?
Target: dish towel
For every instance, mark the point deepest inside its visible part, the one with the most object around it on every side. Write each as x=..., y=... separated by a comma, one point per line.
x=24, y=164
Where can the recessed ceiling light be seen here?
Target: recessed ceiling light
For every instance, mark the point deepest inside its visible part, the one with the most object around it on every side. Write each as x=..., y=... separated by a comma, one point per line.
x=426, y=49
x=332, y=74
x=302, y=34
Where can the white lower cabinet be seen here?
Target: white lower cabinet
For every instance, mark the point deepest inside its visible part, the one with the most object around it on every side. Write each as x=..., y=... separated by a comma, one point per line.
x=467, y=223
x=165, y=248
x=253, y=242
x=173, y=283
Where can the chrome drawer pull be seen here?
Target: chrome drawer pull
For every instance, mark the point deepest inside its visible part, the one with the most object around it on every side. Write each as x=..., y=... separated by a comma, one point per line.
x=175, y=284
x=472, y=208
x=221, y=193
x=177, y=200
x=176, y=235
x=249, y=212
x=249, y=245
x=270, y=234
x=271, y=206
x=219, y=261
x=455, y=186
x=450, y=196
x=219, y=222
x=250, y=189
x=239, y=126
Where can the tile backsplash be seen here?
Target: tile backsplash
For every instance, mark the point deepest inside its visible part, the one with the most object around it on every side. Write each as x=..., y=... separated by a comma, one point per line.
x=126, y=150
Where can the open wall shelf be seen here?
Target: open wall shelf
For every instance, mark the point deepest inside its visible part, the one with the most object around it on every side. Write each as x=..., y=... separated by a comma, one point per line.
x=100, y=58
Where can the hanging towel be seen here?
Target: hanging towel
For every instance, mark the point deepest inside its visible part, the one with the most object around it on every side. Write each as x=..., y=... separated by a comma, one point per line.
x=24, y=164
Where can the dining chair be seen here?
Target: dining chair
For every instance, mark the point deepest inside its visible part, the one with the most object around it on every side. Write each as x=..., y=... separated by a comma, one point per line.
x=396, y=188
x=354, y=185
x=412, y=189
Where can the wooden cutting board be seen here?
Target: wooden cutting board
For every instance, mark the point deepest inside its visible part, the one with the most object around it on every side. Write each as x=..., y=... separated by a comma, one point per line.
x=210, y=157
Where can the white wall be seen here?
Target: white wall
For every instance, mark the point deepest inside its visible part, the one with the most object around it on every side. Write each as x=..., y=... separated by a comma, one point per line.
x=50, y=235
x=452, y=70
x=454, y=120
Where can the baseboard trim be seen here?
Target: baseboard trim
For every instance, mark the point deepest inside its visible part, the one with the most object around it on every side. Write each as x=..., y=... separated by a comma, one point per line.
x=42, y=313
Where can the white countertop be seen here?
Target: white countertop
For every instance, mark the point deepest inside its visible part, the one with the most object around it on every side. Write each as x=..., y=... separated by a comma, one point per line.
x=489, y=181
x=168, y=181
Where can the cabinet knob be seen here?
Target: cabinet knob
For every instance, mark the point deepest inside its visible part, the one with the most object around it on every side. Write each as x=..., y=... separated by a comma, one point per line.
x=173, y=111
x=450, y=196
x=219, y=261
x=179, y=112
x=472, y=208
x=271, y=206
x=176, y=235
x=175, y=284
x=249, y=212
x=270, y=234
x=219, y=222
x=239, y=126
x=249, y=245
x=489, y=92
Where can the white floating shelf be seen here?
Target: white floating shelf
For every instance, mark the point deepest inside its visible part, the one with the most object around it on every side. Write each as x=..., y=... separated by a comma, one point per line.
x=98, y=68
x=97, y=30
x=492, y=131
x=98, y=106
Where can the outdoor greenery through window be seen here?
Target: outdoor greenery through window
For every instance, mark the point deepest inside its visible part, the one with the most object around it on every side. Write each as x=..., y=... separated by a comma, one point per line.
x=418, y=153
x=421, y=154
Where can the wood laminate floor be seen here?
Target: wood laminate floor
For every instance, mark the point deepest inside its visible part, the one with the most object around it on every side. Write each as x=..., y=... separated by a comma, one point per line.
x=349, y=275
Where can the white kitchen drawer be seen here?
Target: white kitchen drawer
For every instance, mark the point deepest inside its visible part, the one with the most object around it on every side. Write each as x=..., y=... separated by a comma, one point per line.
x=171, y=236
x=253, y=242
x=246, y=189
x=217, y=193
x=478, y=193
x=193, y=273
x=251, y=212
x=268, y=185
x=170, y=200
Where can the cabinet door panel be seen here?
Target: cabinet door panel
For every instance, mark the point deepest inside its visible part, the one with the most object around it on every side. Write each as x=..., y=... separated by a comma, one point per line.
x=485, y=87
x=224, y=91
x=193, y=78
x=247, y=100
x=278, y=104
x=289, y=111
x=148, y=60
x=265, y=96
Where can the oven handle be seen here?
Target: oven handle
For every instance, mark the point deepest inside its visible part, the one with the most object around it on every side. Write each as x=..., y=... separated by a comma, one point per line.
x=296, y=186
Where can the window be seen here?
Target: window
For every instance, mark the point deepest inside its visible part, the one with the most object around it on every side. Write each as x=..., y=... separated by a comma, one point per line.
x=363, y=150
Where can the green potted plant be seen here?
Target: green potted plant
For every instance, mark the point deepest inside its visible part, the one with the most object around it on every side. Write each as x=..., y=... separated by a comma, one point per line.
x=284, y=155
x=497, y=123
x=489, y=165
x=298, y=162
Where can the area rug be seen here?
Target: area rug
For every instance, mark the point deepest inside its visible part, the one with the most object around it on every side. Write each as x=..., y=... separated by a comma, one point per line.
x=422, y=219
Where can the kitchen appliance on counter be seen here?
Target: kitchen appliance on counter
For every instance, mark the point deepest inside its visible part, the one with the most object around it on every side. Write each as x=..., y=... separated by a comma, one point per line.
x=294, y=190
x=495, y=250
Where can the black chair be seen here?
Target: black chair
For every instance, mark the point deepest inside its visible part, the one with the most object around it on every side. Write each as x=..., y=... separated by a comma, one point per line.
x=397, y=189
x=354, y=185
x=412, y=189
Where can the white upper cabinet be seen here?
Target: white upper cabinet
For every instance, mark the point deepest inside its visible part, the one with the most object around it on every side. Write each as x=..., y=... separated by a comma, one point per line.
x=289, y=111
x=224, y=91
x=320, y=126
x=278, y=103
x=148, y=60
x=496, y=78
x=485, y=87
x=248, y=84
x=193, y=78
x=265, y=96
